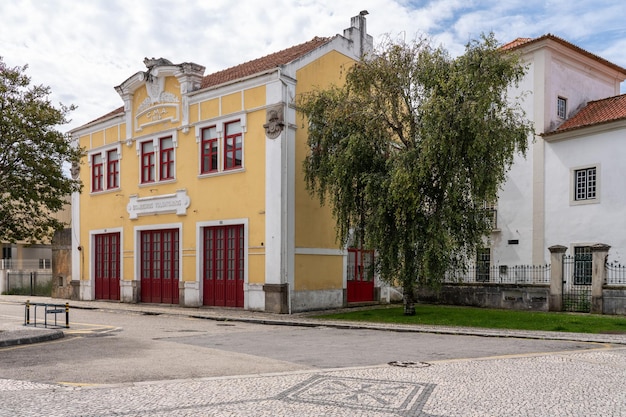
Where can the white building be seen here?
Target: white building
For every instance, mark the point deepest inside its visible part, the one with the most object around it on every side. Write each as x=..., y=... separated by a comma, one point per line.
x=584, y=179
x=538, y=206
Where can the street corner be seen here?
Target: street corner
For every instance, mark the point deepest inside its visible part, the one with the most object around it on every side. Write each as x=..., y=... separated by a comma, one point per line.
x=12, y=334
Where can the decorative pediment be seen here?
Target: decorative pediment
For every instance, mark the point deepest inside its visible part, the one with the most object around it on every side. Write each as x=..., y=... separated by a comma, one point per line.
x=161, y=105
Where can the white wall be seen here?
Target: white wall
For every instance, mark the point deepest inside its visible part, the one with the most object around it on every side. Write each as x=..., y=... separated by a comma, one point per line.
x=602, y=222
x=553, y=70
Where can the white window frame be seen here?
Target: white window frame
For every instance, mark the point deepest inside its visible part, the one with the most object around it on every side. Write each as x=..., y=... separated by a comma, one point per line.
x=156, y=144
x=574, y=183
x=220, y=127
x=561, y=107
x=104, y=153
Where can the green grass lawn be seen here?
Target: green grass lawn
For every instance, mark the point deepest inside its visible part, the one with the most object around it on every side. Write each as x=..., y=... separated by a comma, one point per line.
x=488, y=318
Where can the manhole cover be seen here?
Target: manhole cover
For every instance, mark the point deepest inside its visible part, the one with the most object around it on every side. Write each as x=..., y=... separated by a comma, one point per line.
x=409, y=364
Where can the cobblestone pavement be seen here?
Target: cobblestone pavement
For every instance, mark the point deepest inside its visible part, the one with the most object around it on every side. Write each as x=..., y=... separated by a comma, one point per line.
x=590, y=383
x=575, y=383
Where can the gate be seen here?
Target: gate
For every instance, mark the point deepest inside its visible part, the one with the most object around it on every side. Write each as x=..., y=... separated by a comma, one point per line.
x=577, y=273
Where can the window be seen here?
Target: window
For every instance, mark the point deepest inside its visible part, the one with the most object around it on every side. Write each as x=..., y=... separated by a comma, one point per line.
x=585, y=184
x=113, y=169
x=209, y=150
x=561, y=107
x=491, y=212
x=582, y=265
x=483, y=264
x=166, y=151
x=221, y=146
x=96, y=172
x=233, y=145
x=147, y=162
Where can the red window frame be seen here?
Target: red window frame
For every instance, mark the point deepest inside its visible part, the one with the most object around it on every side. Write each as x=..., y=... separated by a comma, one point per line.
x=97, y=174
x=233, y=145
x=147, y=162
x=210, y=150
x=113, y=169
x=166, y=158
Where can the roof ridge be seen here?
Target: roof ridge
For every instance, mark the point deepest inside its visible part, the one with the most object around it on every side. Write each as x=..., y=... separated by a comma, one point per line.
x=257, y=65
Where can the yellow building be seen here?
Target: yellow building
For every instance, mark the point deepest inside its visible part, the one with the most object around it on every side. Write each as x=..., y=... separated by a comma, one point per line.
x=194, y=192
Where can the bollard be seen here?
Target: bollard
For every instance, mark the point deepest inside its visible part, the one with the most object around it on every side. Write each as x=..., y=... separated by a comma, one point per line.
x=27, y=313
x=67, y=315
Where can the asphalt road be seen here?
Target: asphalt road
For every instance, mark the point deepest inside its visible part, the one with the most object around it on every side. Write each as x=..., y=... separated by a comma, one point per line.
x=110, y=347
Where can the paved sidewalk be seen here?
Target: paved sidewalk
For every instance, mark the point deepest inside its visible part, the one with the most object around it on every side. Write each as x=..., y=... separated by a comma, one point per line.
x=580, y=383
x=11, y=334
x=574, y=384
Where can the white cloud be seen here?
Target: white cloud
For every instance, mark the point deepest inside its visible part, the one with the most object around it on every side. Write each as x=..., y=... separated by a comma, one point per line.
x=82, y=49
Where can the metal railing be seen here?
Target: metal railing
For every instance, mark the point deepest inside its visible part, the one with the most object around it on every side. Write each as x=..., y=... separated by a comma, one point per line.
x=48, y=309
x=615, y=274
x=26, y=264
x=501, y=274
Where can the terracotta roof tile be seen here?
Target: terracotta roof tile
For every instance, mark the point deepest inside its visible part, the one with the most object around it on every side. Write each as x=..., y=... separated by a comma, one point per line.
x=594, y=113
x=515, y=43
x=520, y=42
x=262, y=64
x=248, y=68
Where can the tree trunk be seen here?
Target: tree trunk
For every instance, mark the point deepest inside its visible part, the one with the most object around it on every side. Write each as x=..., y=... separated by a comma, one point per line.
x=409, y=301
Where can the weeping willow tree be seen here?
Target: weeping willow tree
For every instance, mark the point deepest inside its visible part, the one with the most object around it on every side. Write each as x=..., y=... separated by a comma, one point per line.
x=410, y=148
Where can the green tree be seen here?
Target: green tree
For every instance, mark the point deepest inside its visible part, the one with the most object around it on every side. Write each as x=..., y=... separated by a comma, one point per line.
x=32, y=156
x=408, y=151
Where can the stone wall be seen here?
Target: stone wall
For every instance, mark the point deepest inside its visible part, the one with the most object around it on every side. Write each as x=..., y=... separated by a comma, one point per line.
x=506, y=296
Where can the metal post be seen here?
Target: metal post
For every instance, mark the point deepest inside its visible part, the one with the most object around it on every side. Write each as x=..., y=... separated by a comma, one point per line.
x=27, y=313
x=67, y=315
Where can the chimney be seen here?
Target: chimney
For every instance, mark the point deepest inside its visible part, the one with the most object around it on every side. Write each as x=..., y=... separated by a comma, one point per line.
x=357, y=33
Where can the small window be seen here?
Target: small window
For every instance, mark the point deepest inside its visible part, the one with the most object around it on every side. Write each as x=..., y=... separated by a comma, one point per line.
x=491, y=213
x=166, y=151
x=561, y=107
x=233, y=145
x=97, y=174
x=113, y=169
x=585, y=184
x=209, y=150
x=147, y=162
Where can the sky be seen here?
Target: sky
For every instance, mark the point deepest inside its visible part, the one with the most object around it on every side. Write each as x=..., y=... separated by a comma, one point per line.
x=83, y=49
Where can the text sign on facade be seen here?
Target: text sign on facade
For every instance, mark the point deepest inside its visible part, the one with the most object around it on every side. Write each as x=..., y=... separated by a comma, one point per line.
x=167, y=203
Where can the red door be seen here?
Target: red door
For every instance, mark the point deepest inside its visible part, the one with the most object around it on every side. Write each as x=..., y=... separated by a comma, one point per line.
x=107, y=266
x=159, y=266
x=360, y=275
x=223, y=266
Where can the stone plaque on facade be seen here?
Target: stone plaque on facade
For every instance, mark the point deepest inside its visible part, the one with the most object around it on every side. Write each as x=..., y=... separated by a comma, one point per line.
x=167, y=203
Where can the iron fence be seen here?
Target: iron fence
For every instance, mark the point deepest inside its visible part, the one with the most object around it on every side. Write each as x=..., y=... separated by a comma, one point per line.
x=501, y=274
x=615, y=274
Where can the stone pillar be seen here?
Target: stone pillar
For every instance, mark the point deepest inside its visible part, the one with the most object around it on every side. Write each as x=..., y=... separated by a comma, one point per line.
x=600, y=252
x=62, y=264
x=276, y=298
x=555, y=302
